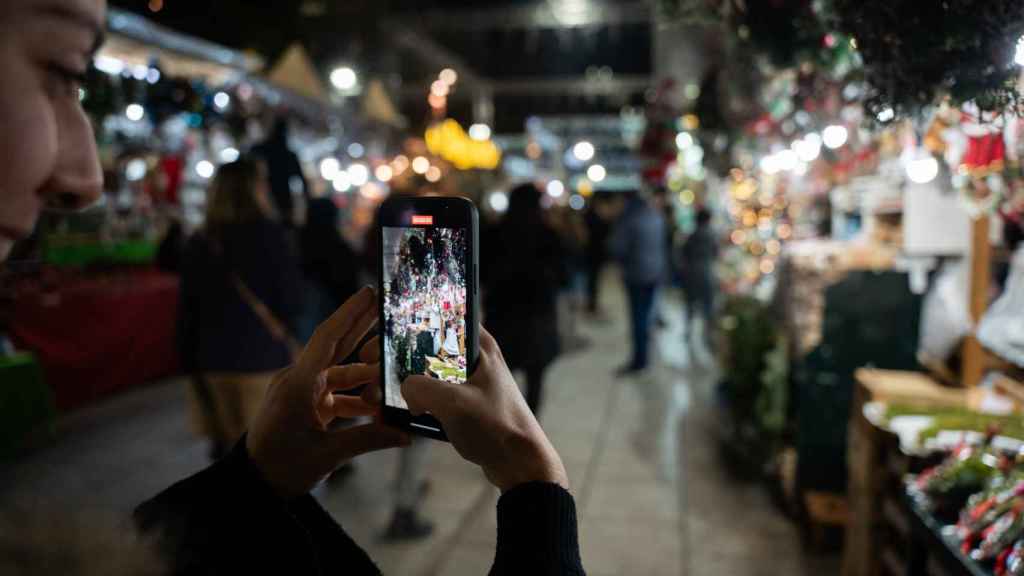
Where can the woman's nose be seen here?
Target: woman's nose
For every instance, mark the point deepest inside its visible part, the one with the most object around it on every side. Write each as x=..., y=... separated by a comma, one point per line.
x=77, y=180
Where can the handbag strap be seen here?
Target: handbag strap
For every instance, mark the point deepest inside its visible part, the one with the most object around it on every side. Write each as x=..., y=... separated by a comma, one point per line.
x=274, y=326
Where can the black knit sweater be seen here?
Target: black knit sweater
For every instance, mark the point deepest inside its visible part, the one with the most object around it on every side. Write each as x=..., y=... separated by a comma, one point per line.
x=226, y=520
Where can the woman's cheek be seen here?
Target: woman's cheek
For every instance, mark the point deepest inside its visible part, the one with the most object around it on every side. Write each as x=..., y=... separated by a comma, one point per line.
x=28, y=148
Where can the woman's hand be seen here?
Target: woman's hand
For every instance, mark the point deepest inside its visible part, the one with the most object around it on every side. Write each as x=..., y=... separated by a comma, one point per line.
x=290, y=440
x=489, y=423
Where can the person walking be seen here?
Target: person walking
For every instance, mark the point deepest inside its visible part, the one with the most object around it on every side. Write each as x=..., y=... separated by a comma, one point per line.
x=598, y=232
x=696, y=262
x=239, y=277
x=638, y=244
x=286, y=178
x=330, y=265
x=522, y=283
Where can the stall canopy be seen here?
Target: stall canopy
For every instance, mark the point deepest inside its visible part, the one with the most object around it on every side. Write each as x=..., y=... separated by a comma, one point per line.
x=295, y=72
x=378, y=106
x=134, y=42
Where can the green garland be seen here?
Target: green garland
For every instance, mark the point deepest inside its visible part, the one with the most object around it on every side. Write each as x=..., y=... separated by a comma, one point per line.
x=910, y=53
x=916, y=52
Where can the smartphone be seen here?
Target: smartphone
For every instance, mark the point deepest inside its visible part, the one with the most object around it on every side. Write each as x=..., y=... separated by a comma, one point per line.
x=429, y=299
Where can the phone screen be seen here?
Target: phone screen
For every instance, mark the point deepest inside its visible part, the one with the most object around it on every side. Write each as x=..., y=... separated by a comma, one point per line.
x=424, y=294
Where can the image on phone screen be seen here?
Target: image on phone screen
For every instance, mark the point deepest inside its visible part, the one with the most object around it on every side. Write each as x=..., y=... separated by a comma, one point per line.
x=424, y=284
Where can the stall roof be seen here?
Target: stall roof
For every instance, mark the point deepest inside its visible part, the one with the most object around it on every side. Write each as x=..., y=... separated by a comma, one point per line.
x=136, y=41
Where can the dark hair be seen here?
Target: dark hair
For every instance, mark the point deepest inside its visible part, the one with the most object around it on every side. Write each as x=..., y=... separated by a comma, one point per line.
x=232, y=194
x=279, y=131
x=524, y=203
x=703, y=216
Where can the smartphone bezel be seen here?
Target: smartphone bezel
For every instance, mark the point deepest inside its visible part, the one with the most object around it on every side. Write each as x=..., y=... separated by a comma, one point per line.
x=446, y=212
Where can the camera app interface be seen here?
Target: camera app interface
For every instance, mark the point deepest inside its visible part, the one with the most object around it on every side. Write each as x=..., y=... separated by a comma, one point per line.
x=424, y=306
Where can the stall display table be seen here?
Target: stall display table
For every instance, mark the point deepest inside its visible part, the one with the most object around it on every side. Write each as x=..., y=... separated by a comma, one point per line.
x=26, y=403
x=877, y=533
x=932, y=552
x=95, y=335
x=128, y=252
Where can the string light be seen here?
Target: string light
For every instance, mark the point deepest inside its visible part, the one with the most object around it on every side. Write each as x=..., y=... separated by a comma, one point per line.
x=204, y=169
x=134, y=112
x=433, y=174
x=359, y=174
x=420, y=165
x=448, y=76
x=480, y=132
x=596, y=173
x=834, y=136
x=221, y=100
x=383, y=173
x=329, y=168
x=344, y=78
x=583, y=151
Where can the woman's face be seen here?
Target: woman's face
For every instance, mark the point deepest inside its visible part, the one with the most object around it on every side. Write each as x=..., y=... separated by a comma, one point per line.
x=47, y=152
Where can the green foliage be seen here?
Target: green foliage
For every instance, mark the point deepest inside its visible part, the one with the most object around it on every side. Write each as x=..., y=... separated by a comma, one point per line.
x=750, y=335
x=915, y=52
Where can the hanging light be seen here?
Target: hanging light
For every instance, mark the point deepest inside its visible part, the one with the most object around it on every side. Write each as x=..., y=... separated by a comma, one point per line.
x=229, y=154
x=498, y=202
x=807, y=149
x=329, y=168
x=221, y=100
x=1019, y=57
x=439, y=89
x=886, y=115
x=770, y=164
x=205, y=169
x=583, y=151
x=577, y=202
x=922, y=169
x=596, y=173
x=684, y=140
x=342, y=182
x=420, y=165
x=356, y=150
x=480, y=132
x=359, y=174
x=555, y=188
x=448, y=76
x=134, y=112
x=344, y=78
x=135, y=170
x=383, y=173
x=787, y=160
x=834, y=136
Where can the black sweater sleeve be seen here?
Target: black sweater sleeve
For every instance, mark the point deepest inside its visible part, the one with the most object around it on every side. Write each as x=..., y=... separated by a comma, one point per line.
x=537, y=532
x=226, y=520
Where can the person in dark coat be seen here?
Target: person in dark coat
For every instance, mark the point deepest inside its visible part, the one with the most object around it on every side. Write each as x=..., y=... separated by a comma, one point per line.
x=598, y=233
x=223, y=342
x=522, y=281
x=330, y=265
x=696, y=262
x=284, y=171
x=638, y=244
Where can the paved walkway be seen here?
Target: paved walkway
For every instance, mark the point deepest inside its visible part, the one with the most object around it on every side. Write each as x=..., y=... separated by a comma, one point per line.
x=652, y=496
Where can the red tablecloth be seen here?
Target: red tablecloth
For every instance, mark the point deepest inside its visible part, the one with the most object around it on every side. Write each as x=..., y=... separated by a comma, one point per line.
x=97, y=335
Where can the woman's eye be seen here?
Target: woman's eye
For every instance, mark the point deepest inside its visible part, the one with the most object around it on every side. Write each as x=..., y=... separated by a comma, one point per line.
x=66, y=81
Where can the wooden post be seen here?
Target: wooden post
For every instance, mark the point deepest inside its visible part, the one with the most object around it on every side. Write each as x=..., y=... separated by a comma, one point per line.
x=981, y=271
